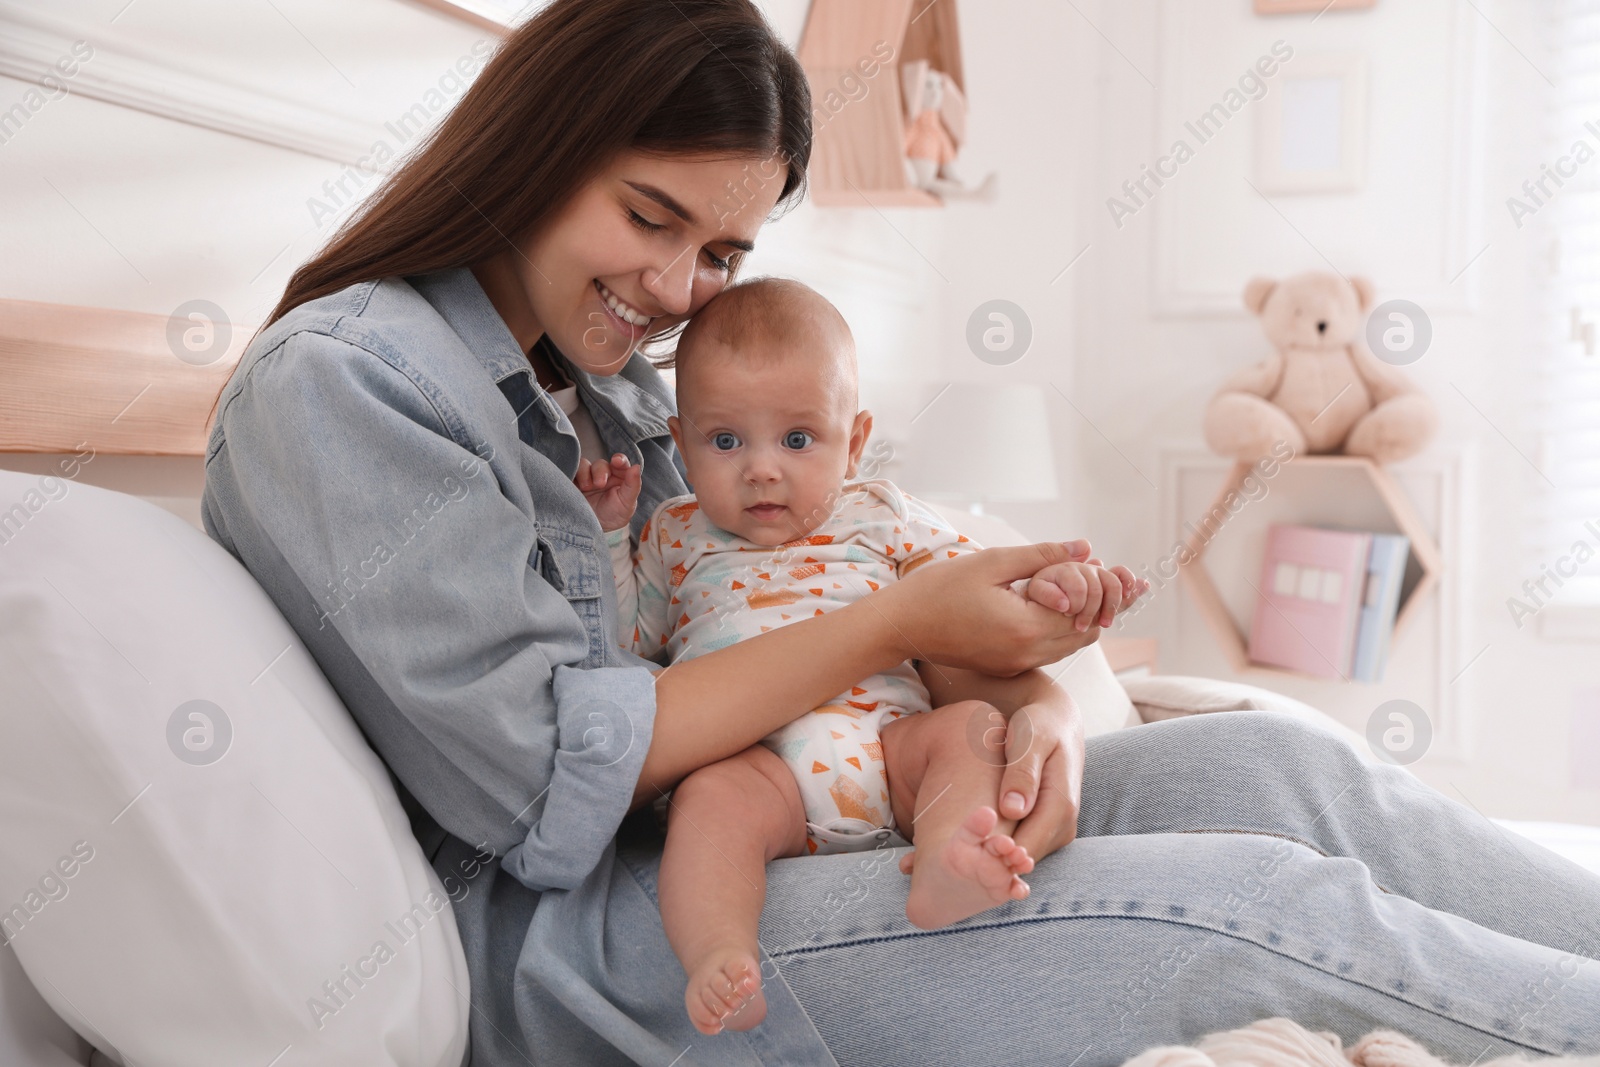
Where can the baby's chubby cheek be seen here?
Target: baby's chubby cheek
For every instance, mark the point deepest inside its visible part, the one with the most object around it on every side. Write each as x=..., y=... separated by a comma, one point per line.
x=722, y=505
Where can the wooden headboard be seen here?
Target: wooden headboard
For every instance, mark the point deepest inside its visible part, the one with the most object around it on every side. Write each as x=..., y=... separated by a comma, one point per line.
x=76, y=377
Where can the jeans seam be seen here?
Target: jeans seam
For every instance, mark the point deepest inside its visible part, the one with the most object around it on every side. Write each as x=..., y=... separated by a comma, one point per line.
x=1296, y=840
x=909, y=934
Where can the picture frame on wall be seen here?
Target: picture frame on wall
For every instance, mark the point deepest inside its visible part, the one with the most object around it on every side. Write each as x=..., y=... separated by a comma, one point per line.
x=1297, y=7
x=1311, y=130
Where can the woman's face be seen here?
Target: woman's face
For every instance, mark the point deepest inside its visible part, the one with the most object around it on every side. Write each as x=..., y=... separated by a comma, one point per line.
x=638, y=249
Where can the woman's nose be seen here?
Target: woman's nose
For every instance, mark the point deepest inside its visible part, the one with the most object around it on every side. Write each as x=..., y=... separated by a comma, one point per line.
x=673, y=284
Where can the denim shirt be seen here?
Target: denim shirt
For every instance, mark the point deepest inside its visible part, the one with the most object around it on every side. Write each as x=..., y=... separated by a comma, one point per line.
x=385, y=464
x=387, y=467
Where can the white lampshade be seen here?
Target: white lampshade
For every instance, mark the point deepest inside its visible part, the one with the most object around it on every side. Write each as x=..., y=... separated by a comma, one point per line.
x=985, y=444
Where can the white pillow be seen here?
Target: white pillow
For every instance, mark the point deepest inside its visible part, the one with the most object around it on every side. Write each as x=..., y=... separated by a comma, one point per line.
x=180, y=888
x=1085, y=674
x=31, y=1035
x=1170, y=696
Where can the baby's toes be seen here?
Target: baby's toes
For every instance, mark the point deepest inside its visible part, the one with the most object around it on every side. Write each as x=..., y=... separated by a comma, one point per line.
x=706, y=1010
x=721, y=996
x=740, y=985
x=996, y=876
x=1015, y=857
x=1001, y=846
x=1019, y=859
x=718, y=1005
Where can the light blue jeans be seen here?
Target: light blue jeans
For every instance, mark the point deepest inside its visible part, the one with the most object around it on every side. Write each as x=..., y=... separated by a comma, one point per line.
x=1229, y=868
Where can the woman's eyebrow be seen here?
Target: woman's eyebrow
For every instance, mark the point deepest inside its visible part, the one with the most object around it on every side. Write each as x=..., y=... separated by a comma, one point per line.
x=667, y=201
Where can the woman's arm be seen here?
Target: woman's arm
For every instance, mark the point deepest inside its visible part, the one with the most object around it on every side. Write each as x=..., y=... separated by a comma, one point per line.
x=421, y=587
x=961, y=613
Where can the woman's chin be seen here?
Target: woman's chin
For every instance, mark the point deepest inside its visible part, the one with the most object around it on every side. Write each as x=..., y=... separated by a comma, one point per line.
x=602, y=360
x=603, y=370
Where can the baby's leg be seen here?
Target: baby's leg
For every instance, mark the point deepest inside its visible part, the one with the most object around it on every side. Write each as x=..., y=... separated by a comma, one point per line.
x=943, y=783
x=725, y=822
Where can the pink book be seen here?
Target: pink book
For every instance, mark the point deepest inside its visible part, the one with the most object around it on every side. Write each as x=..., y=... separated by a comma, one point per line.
x=1311, y=590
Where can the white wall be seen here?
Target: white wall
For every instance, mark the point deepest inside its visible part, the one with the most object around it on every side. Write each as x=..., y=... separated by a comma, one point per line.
x=111, y=206
x=1456, y=110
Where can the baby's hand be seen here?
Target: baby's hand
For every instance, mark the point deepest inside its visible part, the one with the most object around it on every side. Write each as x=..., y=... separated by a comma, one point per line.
x=1089, y=590
x=611, y=489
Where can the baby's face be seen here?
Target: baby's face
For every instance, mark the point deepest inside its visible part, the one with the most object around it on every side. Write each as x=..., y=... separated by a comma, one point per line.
x=768, y=439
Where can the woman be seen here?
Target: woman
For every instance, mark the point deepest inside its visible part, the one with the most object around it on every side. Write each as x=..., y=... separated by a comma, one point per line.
x=392, y=460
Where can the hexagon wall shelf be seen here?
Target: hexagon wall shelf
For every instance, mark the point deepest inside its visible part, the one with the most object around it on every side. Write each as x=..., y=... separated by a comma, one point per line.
x=1235, y=643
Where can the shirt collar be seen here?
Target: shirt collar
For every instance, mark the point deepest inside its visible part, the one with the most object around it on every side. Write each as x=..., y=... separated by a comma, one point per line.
x=636, y=397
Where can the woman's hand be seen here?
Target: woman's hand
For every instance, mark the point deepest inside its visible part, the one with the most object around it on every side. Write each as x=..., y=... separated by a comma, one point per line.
x=963, y=612
x=1043, y=778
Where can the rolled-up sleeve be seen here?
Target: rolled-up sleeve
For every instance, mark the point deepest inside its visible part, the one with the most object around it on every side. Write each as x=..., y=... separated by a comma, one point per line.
x=361, y=504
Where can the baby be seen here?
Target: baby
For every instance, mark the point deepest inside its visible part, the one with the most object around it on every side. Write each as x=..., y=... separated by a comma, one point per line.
x=778, y=531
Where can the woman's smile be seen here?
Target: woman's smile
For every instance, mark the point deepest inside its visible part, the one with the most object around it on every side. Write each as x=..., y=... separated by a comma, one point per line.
x=628, y=320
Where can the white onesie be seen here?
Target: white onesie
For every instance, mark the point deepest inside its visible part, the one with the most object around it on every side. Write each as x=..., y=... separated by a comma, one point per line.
x=692, y=588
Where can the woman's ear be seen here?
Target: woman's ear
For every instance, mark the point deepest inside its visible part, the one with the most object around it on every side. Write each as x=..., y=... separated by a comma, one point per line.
x=860, y=431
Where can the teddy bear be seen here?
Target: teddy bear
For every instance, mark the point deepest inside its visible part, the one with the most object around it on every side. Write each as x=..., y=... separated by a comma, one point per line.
x=1321, y=390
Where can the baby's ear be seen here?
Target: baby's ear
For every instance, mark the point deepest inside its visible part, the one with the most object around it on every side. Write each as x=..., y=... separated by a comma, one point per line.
x=676, y=429
x=860, y=431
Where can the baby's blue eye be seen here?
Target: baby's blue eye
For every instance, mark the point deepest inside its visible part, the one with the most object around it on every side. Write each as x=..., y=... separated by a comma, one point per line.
x=724, y=441
x=796, y=439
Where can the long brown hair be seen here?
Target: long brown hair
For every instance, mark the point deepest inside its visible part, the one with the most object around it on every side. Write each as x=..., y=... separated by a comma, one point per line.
x=574, y=85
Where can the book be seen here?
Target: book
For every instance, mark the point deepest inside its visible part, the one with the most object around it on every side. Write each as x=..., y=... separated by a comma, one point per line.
x=1313, y=582
x=1386, y=572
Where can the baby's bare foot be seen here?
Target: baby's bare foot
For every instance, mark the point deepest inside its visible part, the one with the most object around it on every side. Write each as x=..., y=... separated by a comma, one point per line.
x=724, y=992
x=974, y=871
